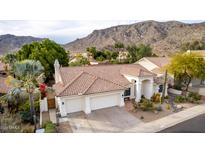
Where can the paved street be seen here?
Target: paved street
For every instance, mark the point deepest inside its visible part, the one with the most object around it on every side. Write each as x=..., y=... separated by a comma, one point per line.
x=195, y=125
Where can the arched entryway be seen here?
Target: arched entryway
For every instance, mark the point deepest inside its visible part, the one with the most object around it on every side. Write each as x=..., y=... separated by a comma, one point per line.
x=147, y=88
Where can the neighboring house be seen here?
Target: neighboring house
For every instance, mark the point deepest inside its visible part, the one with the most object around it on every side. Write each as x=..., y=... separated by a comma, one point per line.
x=2, y=69
x=122, y=55
x=4, y=88
x=200, y=52
x=154, y=64
x=197, y=82
x=90, y=88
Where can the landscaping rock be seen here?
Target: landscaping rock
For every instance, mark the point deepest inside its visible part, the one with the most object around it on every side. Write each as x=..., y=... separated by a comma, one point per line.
x=156, y=112
x=179, y=106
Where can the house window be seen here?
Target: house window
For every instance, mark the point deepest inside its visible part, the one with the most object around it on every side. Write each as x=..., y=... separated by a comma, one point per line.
x=160, y=88
x=127, y=92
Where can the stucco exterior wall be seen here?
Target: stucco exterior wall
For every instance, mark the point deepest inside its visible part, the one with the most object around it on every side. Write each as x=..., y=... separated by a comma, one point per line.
x=63, y=102
x=140, y=88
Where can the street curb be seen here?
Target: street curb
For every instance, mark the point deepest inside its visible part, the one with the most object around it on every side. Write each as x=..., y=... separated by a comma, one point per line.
x=160, y=124
x=180, y=121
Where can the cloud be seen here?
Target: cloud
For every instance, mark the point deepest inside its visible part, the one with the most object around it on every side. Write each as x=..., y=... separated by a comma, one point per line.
x=59, y=31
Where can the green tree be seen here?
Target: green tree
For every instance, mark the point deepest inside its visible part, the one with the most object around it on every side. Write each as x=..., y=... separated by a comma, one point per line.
x=80, y=61
x=114, y=55
x=200, y=63
x=138, y=52
x=9, y=58
x=196, y=45
x=46, y=52
x=30, y=74
x=133, y=53
x=12, y=98
x=92, y=51
x=119, y=45
x=185, y=67
x=108, y=54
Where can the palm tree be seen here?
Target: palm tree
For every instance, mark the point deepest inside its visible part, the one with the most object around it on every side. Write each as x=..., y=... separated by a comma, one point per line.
x=13, y=96
x=29, y=73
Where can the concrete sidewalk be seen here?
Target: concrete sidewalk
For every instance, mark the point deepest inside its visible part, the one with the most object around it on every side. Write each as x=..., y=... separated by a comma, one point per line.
x=168, y=121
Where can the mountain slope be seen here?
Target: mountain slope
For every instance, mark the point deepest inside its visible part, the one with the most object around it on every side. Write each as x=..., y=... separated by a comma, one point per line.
x=9, y=43
x=164, y=37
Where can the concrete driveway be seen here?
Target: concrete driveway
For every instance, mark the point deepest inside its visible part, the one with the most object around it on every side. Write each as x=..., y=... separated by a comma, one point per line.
x=114, y=119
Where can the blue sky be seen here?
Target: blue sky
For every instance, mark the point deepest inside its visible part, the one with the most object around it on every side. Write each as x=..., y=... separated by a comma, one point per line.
x=60, y=31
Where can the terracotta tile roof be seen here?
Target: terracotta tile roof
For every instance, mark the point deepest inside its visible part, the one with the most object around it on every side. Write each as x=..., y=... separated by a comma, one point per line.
x=4, y=88
x=86, y=83
x=107, y=72
x=159, y=61
x=96, y=79
x=135, y=70
x=101, y=85
x=157, y=71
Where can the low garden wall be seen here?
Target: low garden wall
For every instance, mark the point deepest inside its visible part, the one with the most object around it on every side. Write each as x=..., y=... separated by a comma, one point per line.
x=43, y=105
x=174, y=91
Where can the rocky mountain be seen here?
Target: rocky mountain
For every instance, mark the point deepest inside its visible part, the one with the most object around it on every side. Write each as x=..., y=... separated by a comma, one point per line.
x=10, y=43
x=164, y=37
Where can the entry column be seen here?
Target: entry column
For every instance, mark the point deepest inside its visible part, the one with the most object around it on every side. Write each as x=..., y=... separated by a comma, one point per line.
x=138, y=91
x=87, y=108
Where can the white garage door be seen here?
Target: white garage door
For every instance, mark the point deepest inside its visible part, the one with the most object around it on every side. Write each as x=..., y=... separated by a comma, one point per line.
x=100, y=102
x=74, y=105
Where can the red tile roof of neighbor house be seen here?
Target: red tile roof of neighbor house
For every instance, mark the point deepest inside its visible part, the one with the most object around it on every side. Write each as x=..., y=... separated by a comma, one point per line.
x=95, y=79
x=4, y=88
x=200, y=52
x=159, y=61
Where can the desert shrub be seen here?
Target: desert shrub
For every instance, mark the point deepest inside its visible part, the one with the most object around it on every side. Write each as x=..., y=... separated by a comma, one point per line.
x=179, y=99
x=194, y=96
x=158, y=108
x=49, y=127
x=100, y=58
x=156, y=98
x=26, y=117
x=146, y=105
x=135, y=105
x=28, y=130
x=26, y=106
x=114, y=61
x=166, y=97
x=168, y=107
x=142, y=97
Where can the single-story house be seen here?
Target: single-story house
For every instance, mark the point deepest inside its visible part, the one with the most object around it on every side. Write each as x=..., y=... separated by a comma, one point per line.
x=155, y=65
x=4, y=88
x=90, y=88
x=2, y=69
x=200, y=52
